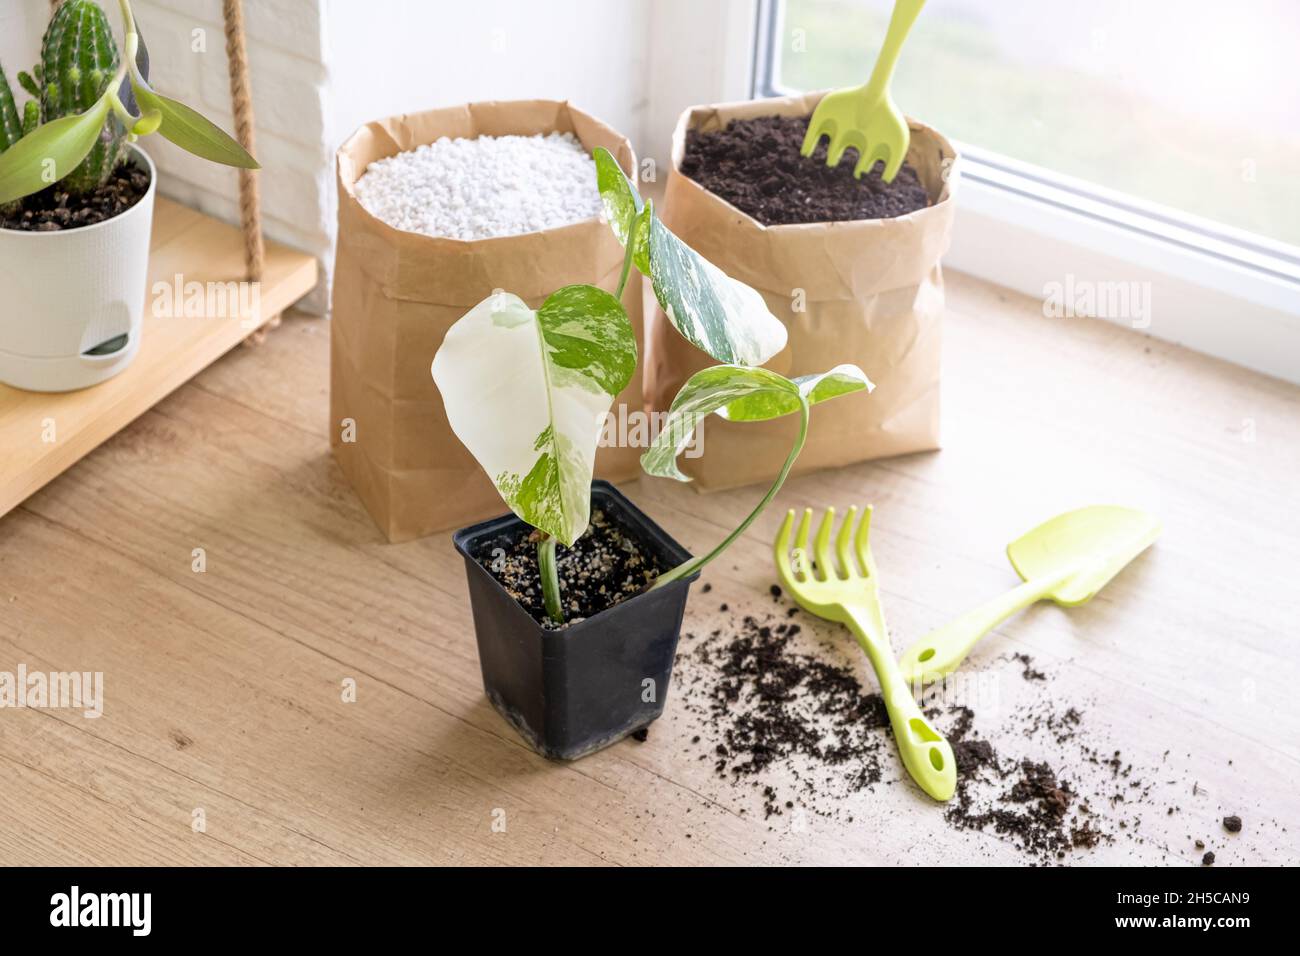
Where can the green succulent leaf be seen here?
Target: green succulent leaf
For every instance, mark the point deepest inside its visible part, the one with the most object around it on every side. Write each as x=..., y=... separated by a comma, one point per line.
x=27, y=83
x=11, y=126
x=740, y=393
x=527, y=393
x=147, y=123
x=49, y=153
x=715, y=313
x=189, y=130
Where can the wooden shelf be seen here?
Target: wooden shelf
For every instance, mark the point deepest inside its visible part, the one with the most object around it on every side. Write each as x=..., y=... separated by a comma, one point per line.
x=172, y=350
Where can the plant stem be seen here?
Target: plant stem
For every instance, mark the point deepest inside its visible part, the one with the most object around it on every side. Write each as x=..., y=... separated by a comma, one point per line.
x=627, y=266
x=687, y=568
x=550, y=578
x=128, y=20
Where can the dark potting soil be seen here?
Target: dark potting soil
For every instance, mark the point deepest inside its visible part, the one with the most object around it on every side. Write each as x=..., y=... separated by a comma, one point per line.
x=606, y=566
x=54, y=209
x=779, y=707
x=755, y=165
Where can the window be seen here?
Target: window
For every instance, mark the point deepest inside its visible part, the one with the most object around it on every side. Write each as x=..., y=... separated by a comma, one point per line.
x=1193, y=106
x=1154, y=141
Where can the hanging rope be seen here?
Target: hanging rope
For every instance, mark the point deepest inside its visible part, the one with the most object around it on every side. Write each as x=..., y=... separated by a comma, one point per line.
x=241, y=97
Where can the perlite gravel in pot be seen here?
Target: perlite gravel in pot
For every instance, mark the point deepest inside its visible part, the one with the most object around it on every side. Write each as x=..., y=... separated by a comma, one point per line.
x=484, y=187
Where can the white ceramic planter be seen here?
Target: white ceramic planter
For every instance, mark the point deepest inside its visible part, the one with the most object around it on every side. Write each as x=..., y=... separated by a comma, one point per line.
x=66, y=294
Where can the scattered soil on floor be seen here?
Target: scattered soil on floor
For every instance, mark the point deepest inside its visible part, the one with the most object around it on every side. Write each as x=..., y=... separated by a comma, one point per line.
x=1232, y=824
x=606, y=566
x=54, y=209
x=755, y=165
x=781, y=708
x=769, y=703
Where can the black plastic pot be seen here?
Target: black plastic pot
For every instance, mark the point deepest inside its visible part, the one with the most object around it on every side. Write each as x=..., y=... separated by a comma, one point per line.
x=572, y=691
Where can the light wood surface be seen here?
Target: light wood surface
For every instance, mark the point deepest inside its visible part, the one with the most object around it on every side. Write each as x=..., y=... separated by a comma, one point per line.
x=223, y=688
x=173, y=348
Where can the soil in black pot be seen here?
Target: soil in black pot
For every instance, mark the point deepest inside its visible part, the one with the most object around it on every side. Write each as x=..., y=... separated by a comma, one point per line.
x=54, y=209
x=755, y=165
x=606, y=566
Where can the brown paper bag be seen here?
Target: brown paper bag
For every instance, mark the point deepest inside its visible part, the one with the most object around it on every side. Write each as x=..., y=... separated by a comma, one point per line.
x=871, y=294
x=395, y=295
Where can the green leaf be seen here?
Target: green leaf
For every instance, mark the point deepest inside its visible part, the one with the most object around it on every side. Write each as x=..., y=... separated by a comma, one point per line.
x=49, y=152
x=527, y=393
x=715, y=313
x=627, y=213
x=148, y=123
x=740, y=393
x=189, y=130
x=621, y=200
x=761, y=406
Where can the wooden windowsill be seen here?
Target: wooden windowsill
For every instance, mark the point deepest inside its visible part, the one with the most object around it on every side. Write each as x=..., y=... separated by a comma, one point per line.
x=223, y=688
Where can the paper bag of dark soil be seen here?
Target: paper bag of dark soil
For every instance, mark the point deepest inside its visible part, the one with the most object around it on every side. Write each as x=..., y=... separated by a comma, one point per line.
x=869, y=292
x=395, y=295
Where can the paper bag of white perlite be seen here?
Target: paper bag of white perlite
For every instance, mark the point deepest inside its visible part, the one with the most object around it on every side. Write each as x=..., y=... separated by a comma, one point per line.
x=395, y=295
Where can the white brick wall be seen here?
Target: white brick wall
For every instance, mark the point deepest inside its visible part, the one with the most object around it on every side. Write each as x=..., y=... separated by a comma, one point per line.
x=188, y=61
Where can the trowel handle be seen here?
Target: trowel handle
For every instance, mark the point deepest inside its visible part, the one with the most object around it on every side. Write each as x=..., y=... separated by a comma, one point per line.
x=941, y=651
x=900, y=24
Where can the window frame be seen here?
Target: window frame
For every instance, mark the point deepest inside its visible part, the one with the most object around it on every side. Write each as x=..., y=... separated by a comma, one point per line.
x=1219, y=290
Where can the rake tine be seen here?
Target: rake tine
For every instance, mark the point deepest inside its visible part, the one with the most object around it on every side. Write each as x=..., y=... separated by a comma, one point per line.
x=802, y=569
x=835, y=151
x=892, y=166
x=867, y=158
x=816, y=130
x=847, y=568
x=862, y=543
x=825, y=563
x=782, y=549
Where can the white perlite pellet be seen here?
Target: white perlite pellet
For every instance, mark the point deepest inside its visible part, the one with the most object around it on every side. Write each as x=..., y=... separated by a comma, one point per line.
x=484, y=187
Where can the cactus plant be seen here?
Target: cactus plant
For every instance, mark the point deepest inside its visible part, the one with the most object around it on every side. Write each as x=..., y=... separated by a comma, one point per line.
x=79, y=58
x=76, y=128
x=11, y=127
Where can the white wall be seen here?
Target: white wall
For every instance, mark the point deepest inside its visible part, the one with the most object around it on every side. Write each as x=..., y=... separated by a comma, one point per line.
x=397, y=56
x=21, y=24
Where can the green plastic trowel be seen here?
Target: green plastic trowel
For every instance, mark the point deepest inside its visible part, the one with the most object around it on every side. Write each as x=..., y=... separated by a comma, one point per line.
x=1067, y=559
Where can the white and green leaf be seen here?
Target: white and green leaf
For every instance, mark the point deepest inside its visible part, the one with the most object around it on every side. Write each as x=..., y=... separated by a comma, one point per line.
x=773, y=403
x=740, y=393
x=714, y=312
x=527, y=392
x=50, y=152
x=188, y=128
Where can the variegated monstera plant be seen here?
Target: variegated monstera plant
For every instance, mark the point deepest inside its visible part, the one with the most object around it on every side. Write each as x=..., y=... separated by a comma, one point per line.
x=527, y=391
